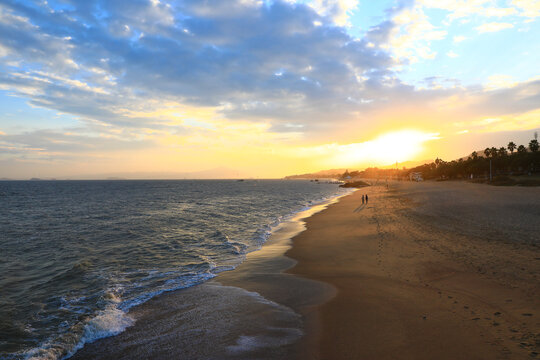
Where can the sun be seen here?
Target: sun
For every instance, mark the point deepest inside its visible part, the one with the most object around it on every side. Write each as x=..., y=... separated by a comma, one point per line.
x=400, y=146
x=388, y=148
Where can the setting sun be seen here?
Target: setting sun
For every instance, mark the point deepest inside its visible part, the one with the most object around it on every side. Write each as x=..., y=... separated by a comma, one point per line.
x=399, y=146
x=384, y=150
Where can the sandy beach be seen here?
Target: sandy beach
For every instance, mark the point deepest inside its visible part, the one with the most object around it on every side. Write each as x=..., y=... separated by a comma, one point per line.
x=423, y=271
x=427, y=271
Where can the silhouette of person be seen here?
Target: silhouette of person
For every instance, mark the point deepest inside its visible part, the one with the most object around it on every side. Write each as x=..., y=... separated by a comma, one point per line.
x=366, y=198
x=363, y=199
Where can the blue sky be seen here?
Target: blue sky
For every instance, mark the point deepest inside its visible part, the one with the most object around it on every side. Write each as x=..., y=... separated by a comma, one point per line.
x=197, y=84
x=472, y=57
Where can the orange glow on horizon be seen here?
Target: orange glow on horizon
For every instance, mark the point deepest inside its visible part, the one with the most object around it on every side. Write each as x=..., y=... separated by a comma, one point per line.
x=386, y=149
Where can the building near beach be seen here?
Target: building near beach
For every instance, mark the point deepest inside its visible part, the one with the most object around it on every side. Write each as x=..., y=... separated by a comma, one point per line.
x=416, y=176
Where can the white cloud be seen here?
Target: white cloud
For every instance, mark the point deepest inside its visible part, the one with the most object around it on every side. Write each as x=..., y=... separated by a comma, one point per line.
x=457, y=8
x=458, y=39
x=466, y=9
x=500, y=81
x=499, y=12
x=493, y=27
x=338, y=10
x=3, y=51
x=529, y=8
x=412, y=35
x=452, y=54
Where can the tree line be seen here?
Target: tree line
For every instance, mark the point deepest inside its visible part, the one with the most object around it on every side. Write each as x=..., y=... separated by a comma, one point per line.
x=509, y=160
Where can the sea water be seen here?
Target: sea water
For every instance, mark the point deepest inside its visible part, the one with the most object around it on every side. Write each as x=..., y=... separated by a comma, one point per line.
x=75, y=256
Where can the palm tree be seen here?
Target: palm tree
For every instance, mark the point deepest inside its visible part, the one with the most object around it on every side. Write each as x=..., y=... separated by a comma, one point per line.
x=494, y=152
x=533, y=145
x=502, y=151
x=487, y=152
x=511, y=147
x=474, y=155
x=521, y=149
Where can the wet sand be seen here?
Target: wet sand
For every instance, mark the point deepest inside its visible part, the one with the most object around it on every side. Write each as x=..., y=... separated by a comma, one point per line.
x=427, y=271
x=256, y=311
x=424, y=271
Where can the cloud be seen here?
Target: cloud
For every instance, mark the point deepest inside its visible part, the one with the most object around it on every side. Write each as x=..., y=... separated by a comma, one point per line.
x=501, y=101
x=338, y=10
x=458, y=39
x=471, y=10
x=499, y=12
x=500, y=82
x=58, y=146
x=452, y=54
x=386, y=149
x=493, y=27
x=407, y=33
x=529, y=8
x=510, y=122
x=138, y=71
x=94, y=59
x=463, y=9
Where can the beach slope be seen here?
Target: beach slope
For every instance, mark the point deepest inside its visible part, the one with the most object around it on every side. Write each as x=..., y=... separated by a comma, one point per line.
x=427, y=271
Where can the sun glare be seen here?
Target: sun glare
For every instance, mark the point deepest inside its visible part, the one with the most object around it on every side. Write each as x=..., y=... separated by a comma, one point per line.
x=388, y=148
x=400, y=146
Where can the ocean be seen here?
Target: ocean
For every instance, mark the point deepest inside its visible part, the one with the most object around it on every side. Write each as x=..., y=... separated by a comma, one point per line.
x=76, y=256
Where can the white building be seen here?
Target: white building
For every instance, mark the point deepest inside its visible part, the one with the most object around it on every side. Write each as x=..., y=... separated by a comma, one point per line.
x=416, y=176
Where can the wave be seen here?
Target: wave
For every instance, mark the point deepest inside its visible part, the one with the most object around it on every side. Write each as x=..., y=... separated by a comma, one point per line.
x=108, y=322
x=114, y=317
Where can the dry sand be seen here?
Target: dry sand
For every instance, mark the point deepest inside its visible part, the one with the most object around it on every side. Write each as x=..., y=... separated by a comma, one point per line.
x=427, y=271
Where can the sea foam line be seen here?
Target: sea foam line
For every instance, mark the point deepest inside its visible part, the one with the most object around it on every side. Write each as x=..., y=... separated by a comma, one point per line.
x=115, y=318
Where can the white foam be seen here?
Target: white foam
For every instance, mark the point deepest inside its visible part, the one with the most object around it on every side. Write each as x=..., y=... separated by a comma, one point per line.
x=284, y=336
x=109, y=322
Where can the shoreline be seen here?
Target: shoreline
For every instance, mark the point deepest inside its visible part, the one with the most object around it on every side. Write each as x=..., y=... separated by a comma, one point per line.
x=266, y=272
x=426, y=271
x=423, y=271
x=260, y=276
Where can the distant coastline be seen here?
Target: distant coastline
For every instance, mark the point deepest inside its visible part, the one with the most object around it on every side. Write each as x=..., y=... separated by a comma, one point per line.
x=505, y=166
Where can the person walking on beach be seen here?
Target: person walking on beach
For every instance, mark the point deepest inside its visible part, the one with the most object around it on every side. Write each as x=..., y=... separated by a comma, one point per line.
x=366, y=198
x=363, y=199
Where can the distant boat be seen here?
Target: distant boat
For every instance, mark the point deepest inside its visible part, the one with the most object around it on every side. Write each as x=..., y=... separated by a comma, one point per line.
x=240, y=180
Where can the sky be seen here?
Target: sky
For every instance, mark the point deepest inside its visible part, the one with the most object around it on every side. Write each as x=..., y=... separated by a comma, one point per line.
x=260, y=88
